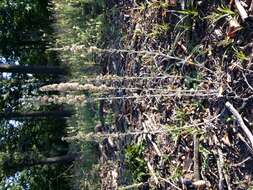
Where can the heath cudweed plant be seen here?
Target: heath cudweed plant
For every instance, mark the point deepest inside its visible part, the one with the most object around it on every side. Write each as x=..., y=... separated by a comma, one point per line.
x=73, y=86
x=77, y=100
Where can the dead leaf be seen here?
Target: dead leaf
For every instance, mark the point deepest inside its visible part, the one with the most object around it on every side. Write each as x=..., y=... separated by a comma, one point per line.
x=233, y=28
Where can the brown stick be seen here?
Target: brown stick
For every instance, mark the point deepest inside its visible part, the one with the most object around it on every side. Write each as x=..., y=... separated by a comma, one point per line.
x=196, y=157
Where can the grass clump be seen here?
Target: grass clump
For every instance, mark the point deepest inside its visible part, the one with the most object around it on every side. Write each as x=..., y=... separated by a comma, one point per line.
x=136, y=163
x=220, y=13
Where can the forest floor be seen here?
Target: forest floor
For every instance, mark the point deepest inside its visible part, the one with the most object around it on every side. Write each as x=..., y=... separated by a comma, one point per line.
x=172, y=95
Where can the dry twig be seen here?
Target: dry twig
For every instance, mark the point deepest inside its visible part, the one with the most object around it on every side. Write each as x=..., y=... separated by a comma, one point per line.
x=241, y=10
x=220, y=164
x=152, y=173
x=167, y=181
x=240, y=121
x=158, y=152
x=196, y=157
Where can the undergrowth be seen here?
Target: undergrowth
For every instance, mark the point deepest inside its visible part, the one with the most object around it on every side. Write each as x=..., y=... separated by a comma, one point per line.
x=82, y=22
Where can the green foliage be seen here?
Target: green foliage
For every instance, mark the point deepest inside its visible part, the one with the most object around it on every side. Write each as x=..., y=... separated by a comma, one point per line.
x=226, y=42
x=83, y=22
x=158, y=5
x=175, y=131
x=189, y=12
x=220, y=13
x=181, y=117
x=180, y=126
x=225, y=10
x=240, y=55
x=86, y=171
x=136, y=163
x=192, y=80
x=205, y=153
x=89, y=117
x=40, y=177
x=29, y=140
x=17, y=28
x=177, y=172
x=158, y=30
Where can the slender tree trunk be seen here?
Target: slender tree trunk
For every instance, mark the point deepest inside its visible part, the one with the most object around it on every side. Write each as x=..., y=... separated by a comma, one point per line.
x=36, y=69
x=12, y=165
x=55, y=160
x=36, y=115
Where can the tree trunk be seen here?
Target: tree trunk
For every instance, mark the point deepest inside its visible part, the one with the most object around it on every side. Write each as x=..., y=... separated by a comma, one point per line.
x=55, y=160
x=35, y=115
x=12, y=166
x=33, y=69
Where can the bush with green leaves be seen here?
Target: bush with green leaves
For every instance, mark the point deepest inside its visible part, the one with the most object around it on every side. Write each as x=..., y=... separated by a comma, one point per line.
x=136, y=163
